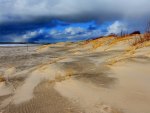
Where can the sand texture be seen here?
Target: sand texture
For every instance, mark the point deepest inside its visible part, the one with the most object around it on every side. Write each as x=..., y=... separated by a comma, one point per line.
x=108, y=75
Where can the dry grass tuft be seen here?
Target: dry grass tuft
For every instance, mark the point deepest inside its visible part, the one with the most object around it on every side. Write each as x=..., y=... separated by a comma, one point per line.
x=96, y=44
x=144, y=38
x=141, y=39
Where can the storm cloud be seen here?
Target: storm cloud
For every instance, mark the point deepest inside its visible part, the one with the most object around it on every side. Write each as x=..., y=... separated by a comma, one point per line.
x=72, y=10
x=23, y=16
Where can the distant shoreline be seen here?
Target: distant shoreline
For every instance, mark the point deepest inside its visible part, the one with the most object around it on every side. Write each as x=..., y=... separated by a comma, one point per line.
x=18, y=45
x=22, y=43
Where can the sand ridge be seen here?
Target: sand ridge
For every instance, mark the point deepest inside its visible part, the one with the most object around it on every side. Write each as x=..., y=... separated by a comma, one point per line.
x=105, y=75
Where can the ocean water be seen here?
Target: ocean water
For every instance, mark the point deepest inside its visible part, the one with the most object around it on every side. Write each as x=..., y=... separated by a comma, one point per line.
x=16, y=45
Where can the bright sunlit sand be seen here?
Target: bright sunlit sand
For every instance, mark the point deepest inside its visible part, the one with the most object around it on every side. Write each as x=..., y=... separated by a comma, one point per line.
x=74, y=56
x=93, y=77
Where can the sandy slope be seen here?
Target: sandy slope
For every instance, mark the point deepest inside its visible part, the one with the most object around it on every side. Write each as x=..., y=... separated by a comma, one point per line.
x=99, y=76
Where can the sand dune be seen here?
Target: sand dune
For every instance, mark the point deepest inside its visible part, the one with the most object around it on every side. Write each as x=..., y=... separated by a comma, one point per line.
x=105, y=75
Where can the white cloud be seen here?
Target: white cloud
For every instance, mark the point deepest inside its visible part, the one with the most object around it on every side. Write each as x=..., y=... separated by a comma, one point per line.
x=70, y=33
x=74, y=30
x=26, y=36
x=75, y=33
x=53, y=32
x=116, y=28
x=30, y=34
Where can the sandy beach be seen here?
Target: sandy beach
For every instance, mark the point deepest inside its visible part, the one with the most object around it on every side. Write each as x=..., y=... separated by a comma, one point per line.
x=105, y=75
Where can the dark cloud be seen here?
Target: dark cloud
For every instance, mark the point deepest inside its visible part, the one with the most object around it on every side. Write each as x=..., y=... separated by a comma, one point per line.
x=72, y=10
x=23, y=27
x=20, y=17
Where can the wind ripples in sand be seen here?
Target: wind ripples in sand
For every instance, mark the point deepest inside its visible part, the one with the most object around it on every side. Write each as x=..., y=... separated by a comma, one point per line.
x=44, y=73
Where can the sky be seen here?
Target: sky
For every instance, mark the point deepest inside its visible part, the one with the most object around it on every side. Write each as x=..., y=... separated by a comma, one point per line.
x=50, y=21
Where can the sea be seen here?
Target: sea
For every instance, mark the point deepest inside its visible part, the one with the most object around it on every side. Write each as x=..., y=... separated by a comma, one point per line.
x=17, y=45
